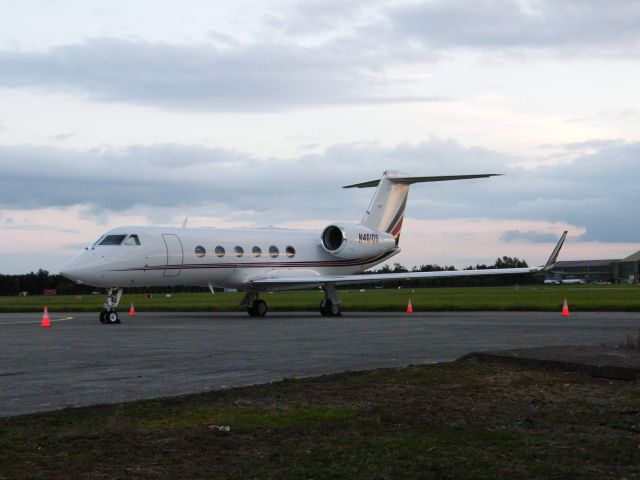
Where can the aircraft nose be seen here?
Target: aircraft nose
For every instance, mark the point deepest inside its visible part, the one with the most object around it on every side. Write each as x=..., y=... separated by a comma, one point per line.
x=74, y=270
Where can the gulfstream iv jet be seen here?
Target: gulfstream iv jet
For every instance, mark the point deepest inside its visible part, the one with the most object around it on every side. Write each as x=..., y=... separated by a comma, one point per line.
x=259, y=260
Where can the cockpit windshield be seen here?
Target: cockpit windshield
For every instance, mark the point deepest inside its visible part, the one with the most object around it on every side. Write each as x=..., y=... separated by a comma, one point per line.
x=97, y=242
x=112, y=240
x=132, y=241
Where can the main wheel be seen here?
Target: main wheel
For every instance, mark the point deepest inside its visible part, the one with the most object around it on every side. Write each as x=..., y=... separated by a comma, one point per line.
x=260, y=307
x=251, y=310
x=329, y=309
x=323, y=307
x=111, y=317
x=103, y=316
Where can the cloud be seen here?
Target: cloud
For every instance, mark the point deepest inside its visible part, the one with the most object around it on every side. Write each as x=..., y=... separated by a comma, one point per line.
x=571, y=26
x=528, y=236
x=322, y=52
x=259, y=77
x=172, y=175
x=597, y=190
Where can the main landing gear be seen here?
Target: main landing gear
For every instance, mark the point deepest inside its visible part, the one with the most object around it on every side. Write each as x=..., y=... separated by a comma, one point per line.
x=255, y=306
x=330, y=304
x=108, y=315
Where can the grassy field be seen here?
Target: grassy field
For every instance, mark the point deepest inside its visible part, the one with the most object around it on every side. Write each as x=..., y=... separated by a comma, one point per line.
x=542, y=298
x=448, y=421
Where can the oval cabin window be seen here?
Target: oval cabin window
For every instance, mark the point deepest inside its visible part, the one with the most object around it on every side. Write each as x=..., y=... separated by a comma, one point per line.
x=256, y=252
x=219, y=251
x=200, y=251
x=291, y=252
x=273, y=251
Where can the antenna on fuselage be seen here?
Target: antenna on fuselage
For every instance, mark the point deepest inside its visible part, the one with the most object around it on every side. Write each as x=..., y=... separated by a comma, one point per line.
x=184, y=222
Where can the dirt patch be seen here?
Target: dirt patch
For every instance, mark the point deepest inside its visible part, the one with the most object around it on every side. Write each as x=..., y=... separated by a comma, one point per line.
x=598, y=361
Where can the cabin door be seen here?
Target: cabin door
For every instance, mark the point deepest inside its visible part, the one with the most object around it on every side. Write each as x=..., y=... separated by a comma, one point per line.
x=175, y=254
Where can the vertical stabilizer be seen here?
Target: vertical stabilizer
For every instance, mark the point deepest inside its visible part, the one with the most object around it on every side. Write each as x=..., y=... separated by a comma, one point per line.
x=386, y=210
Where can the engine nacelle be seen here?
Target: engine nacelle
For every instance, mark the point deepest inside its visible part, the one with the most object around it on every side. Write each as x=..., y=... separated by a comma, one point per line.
x=351, y=241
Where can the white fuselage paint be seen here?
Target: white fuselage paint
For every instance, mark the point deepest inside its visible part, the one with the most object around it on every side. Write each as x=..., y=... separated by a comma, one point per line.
x=167, y=256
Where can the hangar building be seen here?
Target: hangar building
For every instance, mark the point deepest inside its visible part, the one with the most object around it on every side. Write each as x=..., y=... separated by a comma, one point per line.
x=626, y=270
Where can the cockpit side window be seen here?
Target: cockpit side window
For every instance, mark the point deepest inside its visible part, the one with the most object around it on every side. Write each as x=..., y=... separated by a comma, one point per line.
x=112, y=240
x=132, y=241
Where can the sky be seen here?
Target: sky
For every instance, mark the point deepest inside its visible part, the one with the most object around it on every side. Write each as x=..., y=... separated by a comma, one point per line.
x=255, y=113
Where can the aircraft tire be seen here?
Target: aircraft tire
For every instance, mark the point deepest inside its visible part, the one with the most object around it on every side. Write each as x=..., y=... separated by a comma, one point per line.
x=111, y=317
x=328, y=309
x=251, y=310
x=260, y=308
x=103, y=317
x=323, y=308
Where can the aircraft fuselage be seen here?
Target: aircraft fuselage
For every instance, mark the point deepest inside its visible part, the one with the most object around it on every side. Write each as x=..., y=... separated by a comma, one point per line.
x=215, y=257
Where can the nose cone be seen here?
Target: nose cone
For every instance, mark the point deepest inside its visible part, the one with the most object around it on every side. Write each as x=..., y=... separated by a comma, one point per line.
x=77, y=269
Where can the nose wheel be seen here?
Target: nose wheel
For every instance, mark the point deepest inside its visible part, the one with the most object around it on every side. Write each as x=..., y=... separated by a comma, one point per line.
x=109, y=315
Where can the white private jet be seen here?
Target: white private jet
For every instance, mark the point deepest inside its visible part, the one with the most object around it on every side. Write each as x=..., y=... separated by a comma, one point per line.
x=259, y=260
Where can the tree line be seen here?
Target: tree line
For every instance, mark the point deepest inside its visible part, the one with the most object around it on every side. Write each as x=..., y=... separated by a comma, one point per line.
x=36, y=282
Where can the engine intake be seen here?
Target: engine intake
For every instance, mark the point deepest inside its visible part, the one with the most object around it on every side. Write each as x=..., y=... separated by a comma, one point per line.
x=352, y=241
x=332, y=238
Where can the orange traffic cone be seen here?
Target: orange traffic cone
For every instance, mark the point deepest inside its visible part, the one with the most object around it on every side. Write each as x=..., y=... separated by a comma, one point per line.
x=409, y=307
x=45, y=318
x=132, y=311
x=565, y=309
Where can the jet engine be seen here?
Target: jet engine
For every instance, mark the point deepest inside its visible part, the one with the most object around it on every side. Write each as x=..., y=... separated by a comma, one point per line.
x=350, y=241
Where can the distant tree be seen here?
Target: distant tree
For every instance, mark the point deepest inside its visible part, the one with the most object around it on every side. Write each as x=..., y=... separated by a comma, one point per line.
x=510, y=262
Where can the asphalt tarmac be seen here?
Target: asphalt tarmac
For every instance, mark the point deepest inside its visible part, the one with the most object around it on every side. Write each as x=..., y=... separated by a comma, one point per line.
x=79, y=361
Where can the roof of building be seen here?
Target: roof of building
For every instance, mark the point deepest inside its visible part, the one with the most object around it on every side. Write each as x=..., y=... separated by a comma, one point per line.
x=634, y=257
x=584, y=263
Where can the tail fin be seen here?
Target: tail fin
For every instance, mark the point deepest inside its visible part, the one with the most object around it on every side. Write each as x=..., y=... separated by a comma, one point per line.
x=386, y=211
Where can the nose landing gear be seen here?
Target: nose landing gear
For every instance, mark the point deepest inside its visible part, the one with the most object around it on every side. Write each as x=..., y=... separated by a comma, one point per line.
x=109, y=315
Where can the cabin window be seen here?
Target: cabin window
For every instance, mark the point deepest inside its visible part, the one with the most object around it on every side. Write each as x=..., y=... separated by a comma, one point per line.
x=132, y=241
x=200, y=251
x=112, y=240
x=273, y=251
x=291, y=252
x=219, y=251
x=239, y=251
x=256, y=252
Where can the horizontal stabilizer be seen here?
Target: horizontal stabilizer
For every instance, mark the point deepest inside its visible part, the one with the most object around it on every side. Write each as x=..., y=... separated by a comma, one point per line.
x=411, y=180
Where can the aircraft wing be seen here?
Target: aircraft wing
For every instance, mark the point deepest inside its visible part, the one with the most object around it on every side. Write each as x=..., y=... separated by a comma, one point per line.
x=292, y=281
x=308, y=281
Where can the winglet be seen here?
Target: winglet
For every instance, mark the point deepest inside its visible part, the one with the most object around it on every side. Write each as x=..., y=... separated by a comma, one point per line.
x=555, y=253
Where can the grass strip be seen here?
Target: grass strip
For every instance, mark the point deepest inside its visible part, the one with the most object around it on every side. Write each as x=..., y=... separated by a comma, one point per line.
x=525, y=298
